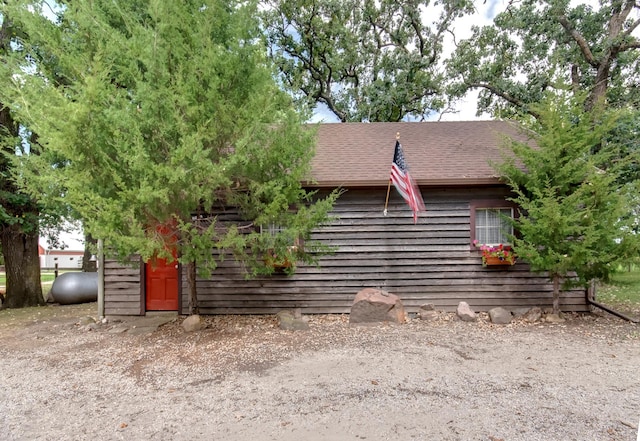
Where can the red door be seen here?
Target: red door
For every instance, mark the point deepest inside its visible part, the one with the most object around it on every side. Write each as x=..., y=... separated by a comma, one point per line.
x=162, y=285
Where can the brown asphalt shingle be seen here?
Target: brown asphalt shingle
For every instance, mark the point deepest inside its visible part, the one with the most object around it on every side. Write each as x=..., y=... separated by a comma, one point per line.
x=437, y=153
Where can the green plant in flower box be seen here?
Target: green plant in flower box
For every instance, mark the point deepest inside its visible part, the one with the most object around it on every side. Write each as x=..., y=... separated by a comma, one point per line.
x=504, y=254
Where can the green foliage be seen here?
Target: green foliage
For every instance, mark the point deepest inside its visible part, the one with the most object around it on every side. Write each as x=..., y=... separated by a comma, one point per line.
x=577, y=213
x=165, y=112
x=534, y=47
x=622, y=292
x=365, y=60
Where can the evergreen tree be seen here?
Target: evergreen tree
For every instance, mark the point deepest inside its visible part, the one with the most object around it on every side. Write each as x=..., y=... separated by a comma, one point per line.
x=165, y=119
x=577, y=213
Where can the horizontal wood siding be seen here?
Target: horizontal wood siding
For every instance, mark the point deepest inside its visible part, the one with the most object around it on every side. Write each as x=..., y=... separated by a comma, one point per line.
x=430, y=262
x=123, y=288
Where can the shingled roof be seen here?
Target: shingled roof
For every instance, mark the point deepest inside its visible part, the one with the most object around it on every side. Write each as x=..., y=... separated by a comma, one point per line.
x=438, y=153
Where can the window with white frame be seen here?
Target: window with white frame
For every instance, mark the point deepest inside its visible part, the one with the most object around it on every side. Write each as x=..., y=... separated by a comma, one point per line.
x=272, y=229
x=493, y=226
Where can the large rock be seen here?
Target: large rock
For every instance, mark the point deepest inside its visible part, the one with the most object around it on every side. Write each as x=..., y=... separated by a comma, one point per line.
x=192, y=323
x=500, y=316
x=375, y=305
x=465, y=313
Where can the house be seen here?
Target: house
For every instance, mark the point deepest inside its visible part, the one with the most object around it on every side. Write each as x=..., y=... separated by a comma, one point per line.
x=433, y=261
x=69, y=257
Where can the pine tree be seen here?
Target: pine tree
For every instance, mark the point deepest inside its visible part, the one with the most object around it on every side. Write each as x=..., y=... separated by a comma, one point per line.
x=167, y=115
x=576, y=208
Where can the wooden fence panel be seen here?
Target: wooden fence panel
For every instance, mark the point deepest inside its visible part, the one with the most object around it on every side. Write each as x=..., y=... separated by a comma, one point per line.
x=123, y=287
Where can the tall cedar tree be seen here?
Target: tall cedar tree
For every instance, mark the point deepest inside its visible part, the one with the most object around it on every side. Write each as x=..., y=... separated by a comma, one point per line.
x=577, y=212
x=173, y=131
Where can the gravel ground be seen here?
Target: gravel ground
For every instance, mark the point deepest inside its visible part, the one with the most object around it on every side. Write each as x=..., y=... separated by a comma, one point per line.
x=242, y=378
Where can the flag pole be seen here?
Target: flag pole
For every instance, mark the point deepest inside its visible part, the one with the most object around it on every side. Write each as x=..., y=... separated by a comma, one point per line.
x=386, y=202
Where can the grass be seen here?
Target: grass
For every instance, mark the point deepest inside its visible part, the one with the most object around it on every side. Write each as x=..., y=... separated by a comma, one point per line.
x=46, y=278
x=623, y=291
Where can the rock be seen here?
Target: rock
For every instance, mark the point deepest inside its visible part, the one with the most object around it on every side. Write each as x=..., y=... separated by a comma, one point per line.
x=373, y=305
x=465, y=313
x=533, y=315
x=428, y=315
x=554, y=318
x=500, y=316
x=292, y=321
x=192, y=323
x=428, y=307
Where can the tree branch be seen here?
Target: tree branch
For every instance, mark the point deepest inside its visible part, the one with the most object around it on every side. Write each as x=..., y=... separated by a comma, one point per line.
x=579, y=39
x=505, y=96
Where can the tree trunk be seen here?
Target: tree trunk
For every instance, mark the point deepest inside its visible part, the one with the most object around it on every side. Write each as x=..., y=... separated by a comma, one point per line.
x=22, y=266
x=193, y=294
x=556, y=294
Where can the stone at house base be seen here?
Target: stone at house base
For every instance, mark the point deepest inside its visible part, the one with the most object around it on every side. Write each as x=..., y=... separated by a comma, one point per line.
x=428, y=307
x=465, y=313
x=532, y=315
x=428, y=312
x=554, y=318
x=192, y=323
x=292, y=320
x=428, y=316
x=500, y=316
x=373, y=305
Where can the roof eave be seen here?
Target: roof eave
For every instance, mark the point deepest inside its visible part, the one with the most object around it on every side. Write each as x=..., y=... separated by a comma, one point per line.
x=479, y=181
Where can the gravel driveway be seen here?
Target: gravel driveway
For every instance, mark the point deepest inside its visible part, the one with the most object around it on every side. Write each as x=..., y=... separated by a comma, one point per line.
x=242, y=378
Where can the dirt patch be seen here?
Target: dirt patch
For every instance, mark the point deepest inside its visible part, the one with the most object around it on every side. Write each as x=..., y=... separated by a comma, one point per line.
x=243, y=378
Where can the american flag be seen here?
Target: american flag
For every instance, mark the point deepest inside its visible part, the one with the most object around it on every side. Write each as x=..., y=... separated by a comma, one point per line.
x=405, y=184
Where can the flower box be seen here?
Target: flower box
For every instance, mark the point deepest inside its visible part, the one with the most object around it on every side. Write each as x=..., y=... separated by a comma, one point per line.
x=280, y=262
x=496, y=255
x=494, y=261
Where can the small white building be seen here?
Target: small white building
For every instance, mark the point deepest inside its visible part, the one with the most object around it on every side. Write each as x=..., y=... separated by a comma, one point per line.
x=68, y=258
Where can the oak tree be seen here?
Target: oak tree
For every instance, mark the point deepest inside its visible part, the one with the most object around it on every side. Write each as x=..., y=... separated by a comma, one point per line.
x=535, y=46
x=365, y=60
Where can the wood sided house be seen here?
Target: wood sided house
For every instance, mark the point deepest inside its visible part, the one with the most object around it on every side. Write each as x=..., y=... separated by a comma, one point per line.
x=433, y=261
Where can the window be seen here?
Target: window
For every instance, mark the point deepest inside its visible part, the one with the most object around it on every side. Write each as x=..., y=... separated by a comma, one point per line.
x=275, y=229
x=272, y=229
x=491, y=226
x=490, y=222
